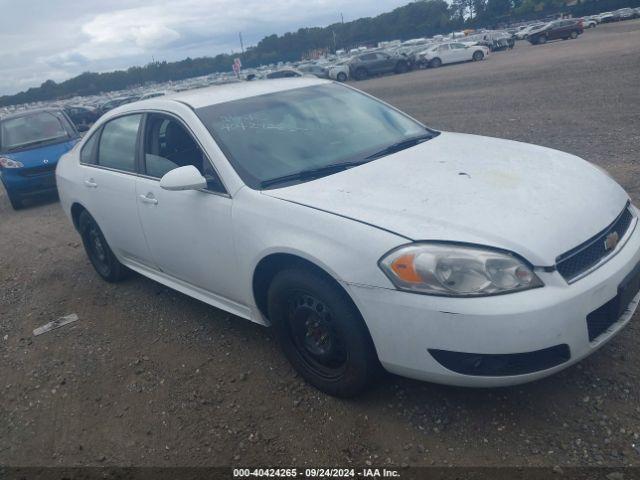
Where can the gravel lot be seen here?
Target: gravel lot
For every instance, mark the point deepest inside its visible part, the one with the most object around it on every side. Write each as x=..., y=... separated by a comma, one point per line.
x=148, y=376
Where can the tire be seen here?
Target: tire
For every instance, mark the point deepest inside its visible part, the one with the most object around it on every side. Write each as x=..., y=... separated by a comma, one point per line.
x=342, y=77
x=100, y=254
x=477, y=56
x=573, y=35
x=321, y=332
x=435, y=63
x=361, y=74
x=401, y=67
x=541, y=40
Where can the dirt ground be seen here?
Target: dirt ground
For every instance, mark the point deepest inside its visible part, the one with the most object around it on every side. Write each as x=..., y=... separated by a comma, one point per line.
x=148, y=376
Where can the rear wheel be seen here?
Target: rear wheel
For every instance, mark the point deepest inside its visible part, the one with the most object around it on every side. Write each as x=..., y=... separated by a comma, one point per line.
x=477, y=56
x=321, y=333
x=435, y=63
x=98, y=250
x=342, y=77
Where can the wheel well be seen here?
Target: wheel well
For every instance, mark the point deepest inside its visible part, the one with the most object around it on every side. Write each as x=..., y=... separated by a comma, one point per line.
x=76, y=210
x=269, y=266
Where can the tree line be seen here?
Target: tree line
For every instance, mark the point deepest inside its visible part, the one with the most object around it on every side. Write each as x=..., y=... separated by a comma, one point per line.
x=416, y=19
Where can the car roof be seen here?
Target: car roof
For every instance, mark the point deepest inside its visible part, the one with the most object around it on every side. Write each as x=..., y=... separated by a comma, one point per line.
x=24, y=113
x=204, y=97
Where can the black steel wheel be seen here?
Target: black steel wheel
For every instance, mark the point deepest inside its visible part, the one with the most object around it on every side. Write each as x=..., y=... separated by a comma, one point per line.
x=98, y=250
x=321, y=332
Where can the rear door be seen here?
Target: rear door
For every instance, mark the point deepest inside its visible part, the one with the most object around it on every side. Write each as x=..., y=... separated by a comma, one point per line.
x=559, y=30
x=386, y=63
x=370, y=62
x=108, y=163
x=444, y=53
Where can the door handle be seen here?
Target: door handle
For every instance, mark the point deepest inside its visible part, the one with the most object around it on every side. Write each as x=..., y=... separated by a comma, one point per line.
x=91, y=183
x=149, y=198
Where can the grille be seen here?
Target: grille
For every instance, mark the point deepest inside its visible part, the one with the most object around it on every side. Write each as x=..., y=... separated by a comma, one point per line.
x=581, y=258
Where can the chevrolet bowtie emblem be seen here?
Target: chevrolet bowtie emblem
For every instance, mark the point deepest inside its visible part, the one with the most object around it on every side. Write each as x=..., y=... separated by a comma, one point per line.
x=611, y=241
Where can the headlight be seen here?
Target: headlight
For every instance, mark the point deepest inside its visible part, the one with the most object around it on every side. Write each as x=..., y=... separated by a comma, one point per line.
x=458, y=271
x=8, y=163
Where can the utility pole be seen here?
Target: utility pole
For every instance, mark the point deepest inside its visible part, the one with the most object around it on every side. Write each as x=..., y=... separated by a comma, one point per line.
x=341, y=18
x=241, y=44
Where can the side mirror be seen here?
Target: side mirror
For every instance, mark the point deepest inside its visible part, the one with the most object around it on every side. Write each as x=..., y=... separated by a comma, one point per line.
x=83, y=127
x=183, y=178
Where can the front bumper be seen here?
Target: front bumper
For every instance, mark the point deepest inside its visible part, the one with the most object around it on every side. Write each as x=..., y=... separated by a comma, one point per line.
x=26, y=181
x=405, y=326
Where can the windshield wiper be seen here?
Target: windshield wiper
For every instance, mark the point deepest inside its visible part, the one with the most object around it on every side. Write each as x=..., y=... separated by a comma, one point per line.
x=312, y=173
x=402, y=145
x=35, y=143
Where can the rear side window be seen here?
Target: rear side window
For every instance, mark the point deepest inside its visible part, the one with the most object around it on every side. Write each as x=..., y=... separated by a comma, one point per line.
x=118, y=141
x=86, y=154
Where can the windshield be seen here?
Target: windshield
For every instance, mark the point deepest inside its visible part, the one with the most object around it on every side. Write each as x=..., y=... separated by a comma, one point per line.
x=30, y=130
x=284, y=133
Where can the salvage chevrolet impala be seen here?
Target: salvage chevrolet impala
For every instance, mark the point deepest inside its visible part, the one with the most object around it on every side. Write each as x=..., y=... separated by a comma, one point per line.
x=364, y=238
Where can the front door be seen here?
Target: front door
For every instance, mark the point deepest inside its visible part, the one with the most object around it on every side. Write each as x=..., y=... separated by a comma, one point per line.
x=459, y=52
x=189, y=233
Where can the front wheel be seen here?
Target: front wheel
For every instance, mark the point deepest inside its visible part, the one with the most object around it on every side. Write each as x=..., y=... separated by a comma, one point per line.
x=342, y=77
x=573, y=35
x=321, y=332
x=477, y=56
x=435, y=63
x=98, y=250
x=542, y=40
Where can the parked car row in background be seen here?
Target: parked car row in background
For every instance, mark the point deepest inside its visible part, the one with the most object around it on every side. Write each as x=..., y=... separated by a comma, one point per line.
x=32, y=137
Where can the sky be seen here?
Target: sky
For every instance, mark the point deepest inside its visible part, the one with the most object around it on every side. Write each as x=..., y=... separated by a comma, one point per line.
x=58, y=39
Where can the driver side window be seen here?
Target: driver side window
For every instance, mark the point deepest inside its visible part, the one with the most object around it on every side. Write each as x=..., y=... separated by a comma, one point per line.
x=168, y=145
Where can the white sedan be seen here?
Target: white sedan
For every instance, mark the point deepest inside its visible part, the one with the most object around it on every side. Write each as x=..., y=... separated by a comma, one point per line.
x=363, y=237
x=340, y=71
x=455, y=52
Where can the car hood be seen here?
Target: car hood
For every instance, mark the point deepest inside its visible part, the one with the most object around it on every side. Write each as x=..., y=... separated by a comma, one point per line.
x=35, y=157
x=531, y=200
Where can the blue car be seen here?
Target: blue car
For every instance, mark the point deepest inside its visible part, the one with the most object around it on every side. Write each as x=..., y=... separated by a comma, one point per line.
x=30, y=145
